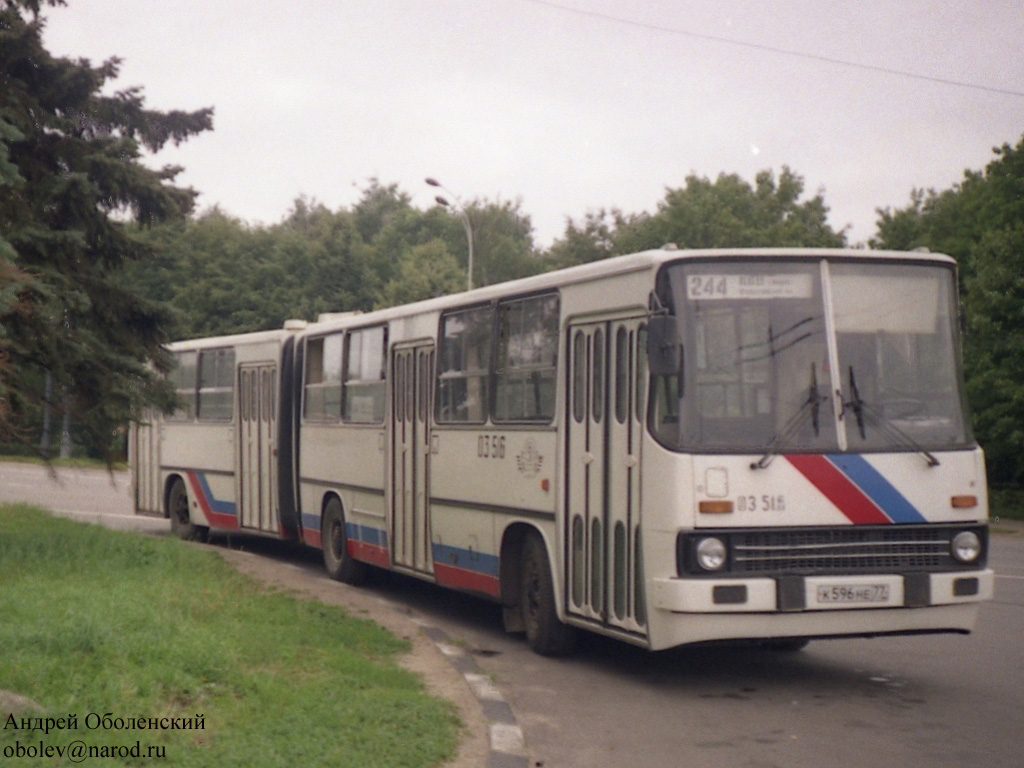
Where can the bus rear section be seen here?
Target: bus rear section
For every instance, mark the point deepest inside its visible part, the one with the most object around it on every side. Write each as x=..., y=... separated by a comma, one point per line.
x=223, y=459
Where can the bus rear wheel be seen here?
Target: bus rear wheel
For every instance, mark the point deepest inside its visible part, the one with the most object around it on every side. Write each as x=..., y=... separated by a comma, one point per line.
x=545, y=633
x=181, y=521
x=339, y=564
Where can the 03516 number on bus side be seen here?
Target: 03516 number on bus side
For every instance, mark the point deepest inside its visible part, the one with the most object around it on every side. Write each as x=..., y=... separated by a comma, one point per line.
x=765, y=503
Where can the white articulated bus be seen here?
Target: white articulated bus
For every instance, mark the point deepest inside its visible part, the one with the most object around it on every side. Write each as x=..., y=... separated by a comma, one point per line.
x=668, y=447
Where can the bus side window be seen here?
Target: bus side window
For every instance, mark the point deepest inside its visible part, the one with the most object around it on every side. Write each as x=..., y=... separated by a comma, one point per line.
x=363, y=393
x=183, y=378
x=323, y=379
x=526, y=365
x=464, y=366
x=216, y=384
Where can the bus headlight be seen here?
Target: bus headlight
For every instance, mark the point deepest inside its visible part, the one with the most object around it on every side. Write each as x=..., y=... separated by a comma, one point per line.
x=966, y=547
x=711, y=554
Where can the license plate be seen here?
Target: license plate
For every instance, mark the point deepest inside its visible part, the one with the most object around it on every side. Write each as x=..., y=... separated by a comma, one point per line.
x=847, y=594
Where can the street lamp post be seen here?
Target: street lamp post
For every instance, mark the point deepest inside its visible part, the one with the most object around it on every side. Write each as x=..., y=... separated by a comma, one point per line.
x=460, y=211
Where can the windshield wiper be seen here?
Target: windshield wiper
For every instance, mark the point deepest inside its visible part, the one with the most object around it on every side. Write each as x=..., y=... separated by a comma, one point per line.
x=810, y=406
x=883, y=422
x=857, y=405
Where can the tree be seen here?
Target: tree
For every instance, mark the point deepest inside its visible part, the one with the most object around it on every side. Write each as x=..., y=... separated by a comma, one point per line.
x=423, y=272
x=726, y=213
x=71, y=185
x=502, y=242
x=994, y=295
x=591, y=240
x=949, y=221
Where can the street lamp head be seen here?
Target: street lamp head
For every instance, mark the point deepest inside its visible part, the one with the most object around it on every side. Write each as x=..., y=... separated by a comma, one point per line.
x=459, y=209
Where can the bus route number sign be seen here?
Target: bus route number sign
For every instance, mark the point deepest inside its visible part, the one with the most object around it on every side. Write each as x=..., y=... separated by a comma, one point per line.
x=726, y=287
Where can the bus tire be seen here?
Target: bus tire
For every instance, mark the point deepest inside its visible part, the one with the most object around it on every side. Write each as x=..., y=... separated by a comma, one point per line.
x=545, y=633
x=339, y=564
x=178, y=511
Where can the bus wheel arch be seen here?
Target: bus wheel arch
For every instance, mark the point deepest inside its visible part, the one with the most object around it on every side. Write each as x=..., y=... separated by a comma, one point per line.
x=177, y=509
x=339, y=564
x=546, y=634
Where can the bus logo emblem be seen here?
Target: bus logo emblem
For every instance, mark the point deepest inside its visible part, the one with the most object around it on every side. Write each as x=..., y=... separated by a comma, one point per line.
x=529, y=459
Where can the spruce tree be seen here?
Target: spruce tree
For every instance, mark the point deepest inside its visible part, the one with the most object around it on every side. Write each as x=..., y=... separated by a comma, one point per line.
x=74, y=196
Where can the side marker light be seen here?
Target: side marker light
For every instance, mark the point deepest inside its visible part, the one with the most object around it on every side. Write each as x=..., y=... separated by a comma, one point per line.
x=715, y=507
x=964, y=502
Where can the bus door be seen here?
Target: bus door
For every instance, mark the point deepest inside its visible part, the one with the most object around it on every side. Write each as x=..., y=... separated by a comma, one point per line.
x=604, y=562
x=257, y=419
x=412, y=369
x=145, y=462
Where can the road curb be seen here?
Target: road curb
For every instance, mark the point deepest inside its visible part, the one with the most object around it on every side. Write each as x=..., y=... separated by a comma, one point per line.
x=507, y=742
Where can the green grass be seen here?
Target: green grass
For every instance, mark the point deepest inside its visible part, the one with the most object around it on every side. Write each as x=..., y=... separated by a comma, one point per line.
x=93, y=620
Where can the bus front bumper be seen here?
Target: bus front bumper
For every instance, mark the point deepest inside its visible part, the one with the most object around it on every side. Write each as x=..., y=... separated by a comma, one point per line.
x=795, y=594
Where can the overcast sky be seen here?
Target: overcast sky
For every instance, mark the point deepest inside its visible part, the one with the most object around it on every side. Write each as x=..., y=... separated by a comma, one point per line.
x=566, y=110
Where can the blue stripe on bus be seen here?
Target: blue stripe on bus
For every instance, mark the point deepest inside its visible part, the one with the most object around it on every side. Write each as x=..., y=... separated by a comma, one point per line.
x=367, y=535
x=466, y=560
x=220, y=507
x=893, y=503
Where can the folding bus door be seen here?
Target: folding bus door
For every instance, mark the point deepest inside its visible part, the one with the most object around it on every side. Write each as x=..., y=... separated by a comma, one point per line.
x=411, y=377
x=257, y=457
x=145, y=463
x=604, y=560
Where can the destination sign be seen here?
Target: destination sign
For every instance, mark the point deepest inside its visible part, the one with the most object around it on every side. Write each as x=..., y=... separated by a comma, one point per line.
x=781, y=286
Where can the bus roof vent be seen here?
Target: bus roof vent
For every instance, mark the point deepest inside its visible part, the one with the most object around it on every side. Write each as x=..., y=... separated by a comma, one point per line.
x=323, y=317
x=294, y=325
x=922, y=249
x=670, y=247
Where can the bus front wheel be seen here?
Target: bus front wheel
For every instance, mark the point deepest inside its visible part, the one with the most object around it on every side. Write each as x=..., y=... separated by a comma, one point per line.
x=339, y=563
x=545, y=633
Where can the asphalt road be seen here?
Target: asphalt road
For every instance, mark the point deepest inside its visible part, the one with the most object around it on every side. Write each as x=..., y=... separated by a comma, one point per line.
x=920, y=701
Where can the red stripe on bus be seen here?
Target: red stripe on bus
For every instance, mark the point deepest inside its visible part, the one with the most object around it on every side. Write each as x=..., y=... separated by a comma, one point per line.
x=470, y=581
x=839, y=489
x=368, y=553
x=215, y=519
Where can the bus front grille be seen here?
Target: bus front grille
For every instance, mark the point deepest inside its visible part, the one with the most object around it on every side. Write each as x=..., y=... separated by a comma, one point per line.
x=847, y=550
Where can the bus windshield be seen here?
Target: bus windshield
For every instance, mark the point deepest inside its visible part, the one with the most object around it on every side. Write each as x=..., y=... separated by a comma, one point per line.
x=809, y=356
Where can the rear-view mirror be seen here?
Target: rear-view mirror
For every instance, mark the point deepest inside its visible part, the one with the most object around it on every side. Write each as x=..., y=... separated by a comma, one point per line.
x=664, y=351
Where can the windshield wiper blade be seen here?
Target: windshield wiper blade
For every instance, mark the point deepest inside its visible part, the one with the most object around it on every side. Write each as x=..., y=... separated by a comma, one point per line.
x=856, y=405
x=815, y=400
x=883, y=422
x=810, y=406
